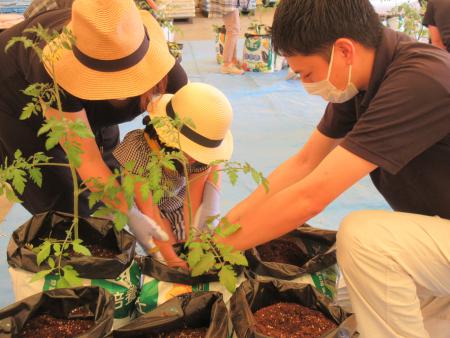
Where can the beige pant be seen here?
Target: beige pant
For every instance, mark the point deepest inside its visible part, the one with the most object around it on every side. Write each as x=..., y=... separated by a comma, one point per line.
x=397, y=270
x=233, y=27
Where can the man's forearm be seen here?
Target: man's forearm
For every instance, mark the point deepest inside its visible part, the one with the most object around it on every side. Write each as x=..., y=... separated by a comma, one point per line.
x=289, y=172
x=278, y=215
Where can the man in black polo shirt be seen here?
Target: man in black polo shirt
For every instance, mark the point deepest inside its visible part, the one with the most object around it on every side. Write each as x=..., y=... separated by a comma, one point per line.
x=388, y=116
x=437, y=19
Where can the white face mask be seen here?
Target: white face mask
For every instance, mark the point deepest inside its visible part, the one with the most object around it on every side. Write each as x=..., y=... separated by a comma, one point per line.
x=328, y=91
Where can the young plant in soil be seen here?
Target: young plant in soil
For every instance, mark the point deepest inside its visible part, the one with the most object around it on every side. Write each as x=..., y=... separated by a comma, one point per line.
x=60, y=130
x=205, y=253
x=291, y=320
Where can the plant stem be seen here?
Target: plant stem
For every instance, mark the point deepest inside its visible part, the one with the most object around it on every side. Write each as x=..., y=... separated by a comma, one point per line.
x=52, y=164
x=71, y=165
x=216, y=254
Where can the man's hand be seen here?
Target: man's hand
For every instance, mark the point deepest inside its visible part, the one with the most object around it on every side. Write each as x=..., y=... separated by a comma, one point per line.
x=145, y=229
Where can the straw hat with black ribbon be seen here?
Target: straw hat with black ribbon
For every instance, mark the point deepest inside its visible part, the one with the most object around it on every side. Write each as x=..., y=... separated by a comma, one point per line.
x=119, y=51
x=209, y=139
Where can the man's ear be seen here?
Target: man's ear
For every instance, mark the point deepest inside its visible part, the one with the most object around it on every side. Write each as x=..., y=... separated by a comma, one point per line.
x=346, y=48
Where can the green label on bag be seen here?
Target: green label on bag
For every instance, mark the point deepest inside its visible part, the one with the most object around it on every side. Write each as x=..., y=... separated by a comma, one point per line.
x=50, y=282
x=325, y=281
x=148, y=297
x=200, y=287
x=124, y=289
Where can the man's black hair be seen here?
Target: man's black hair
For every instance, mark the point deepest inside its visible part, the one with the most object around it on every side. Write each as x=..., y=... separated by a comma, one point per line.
x=311, y=26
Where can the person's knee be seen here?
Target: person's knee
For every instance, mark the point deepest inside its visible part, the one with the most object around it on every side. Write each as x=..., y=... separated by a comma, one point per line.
x=360, y=230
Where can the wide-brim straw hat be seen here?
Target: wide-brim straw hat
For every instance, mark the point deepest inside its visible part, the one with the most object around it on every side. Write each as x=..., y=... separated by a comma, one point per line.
x=119, y=51
x=209, y=137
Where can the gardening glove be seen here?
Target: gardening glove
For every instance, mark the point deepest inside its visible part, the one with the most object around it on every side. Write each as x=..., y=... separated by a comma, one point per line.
x=145, y=229
x=209, y=207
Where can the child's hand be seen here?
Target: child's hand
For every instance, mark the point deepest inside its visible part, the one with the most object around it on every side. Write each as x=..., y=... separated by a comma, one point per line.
x=144, y=228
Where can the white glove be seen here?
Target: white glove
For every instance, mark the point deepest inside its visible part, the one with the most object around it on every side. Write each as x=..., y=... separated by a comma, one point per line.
x=145, y=229
x=209, y=207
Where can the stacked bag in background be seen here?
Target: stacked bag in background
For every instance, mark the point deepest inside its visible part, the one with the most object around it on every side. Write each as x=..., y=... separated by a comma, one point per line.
x=259, y=55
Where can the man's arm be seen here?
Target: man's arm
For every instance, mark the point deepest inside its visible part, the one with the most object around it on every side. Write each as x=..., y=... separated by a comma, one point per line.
x=436, y=38
x=293, y=170
x=295, y=204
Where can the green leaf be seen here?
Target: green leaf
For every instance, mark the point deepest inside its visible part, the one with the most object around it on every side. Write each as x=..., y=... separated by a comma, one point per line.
x=62, y=283
x=19, y=180
x=233, y=176
x=227, y=277
x=102, y=212
x=81, y=249
x=40, y=275
x=128, y=185
x=157, y=195
x=194, y=255
x=11, y=196
x=36, y=176
x=51, y=142
x=57, y=249
x=27, y=111
x=51, y=262
x=145, y=191
x=120, y=220
x=129, y=166
x=93, y=198
x=265, y=183
x=45, y=128
x=215, y=176
x=205, y=264
x=17, y=154
x=44, y=252
x=236, y=258
x=229, y=229
x=71, y=276
x=256, y=176
x=168, y=164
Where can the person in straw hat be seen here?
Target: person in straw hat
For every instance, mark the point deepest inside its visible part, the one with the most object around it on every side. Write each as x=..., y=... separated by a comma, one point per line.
x=208, y=140
x=119, y=61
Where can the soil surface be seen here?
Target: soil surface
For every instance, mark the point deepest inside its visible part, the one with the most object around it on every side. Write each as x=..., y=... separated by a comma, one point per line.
x=97, y=251
x=289, y=320
x=183, y=333
x=47, y=326
x=281, y=251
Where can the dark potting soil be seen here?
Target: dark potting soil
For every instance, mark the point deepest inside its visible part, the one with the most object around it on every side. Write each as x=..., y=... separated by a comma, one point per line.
x=281, y=251
x=97, y=250
x=289, y=320
x=47, y=326
x=183, y=333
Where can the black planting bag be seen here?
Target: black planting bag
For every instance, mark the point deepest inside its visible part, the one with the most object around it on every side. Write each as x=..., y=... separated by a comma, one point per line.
x=192, y=310
x=315, y=246
x=59, y=303
x=91, y=230
x=252, y=295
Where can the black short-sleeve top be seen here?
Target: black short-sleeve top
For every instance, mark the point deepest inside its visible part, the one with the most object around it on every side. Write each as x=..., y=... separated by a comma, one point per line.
x=21, y=67
x=438, y=15
x=402, y=124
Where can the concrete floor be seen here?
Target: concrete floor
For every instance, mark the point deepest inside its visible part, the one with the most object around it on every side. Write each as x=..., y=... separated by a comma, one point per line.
x=200, y=28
